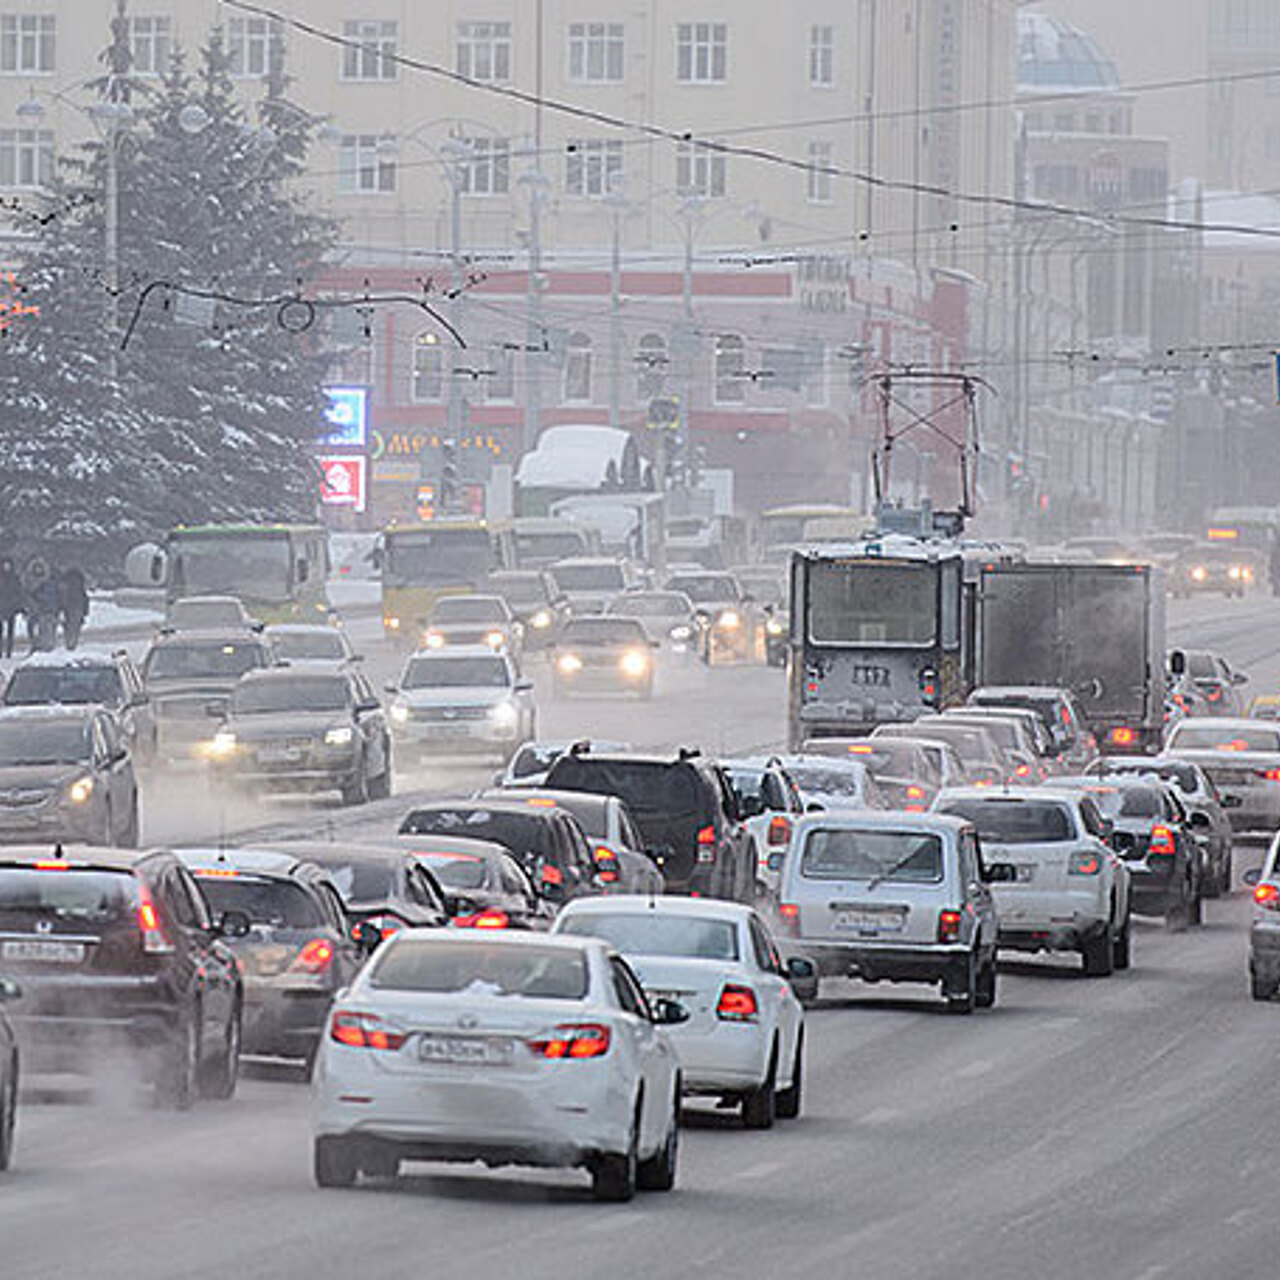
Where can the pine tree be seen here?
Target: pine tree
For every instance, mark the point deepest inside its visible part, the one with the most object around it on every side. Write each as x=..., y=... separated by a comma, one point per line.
x=211, y=410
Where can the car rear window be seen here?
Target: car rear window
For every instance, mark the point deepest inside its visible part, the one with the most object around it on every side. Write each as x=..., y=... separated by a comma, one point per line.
x=1140, y=802
x=531, y=972
x=264, y=900
x=904, y=857
x=1227, y=738
x=650, y=933
x=1014, y=821
x=216, y=661
x=74, y=685
x=363, y=881
x=456, y=870
x=309, y=646
x=1182, y=776
x=823, y=780
x=604, y=631
x=521, y=833
x=646, y=787
x=87, y=896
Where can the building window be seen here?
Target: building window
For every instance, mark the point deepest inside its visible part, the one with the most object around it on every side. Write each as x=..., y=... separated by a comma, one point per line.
x=371, y=53
x=596, y=52
x=815, y=375
x=651, y=366
x=700, y=169
x=250, y=42
x=702, y=52
x=366, y=164
x=731, y=364
x=26, y=157
x=819, y=175
x=593, y=167
x=488, y=171
x=577, y=368
x=500, y=384
x=428, y=369
x=822, y=57
x=484, y=51
x=27, y=43
x=152, y=43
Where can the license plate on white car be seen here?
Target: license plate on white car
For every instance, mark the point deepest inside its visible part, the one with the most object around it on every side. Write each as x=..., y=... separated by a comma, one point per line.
x=43, y=950
x=1026, y=872
x=469, y=1051
x=871, y=919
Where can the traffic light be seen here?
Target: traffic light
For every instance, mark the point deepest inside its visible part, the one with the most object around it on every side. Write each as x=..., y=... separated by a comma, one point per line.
x=449, y=492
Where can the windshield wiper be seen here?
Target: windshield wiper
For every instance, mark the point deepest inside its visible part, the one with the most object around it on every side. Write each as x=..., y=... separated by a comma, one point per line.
x=879, y=878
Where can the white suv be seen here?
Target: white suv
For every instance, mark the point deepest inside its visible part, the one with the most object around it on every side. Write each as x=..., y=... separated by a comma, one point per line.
x=893, y=897
x=1071, y=892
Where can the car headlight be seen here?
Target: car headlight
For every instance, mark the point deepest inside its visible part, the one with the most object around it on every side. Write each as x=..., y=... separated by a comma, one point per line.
x=391, y=623
x=1247, y=573
x=433, y=640
x=774, y=626
x=80, y=790
x=341, y=735
x=504, y=714
x=681, y=633
x=223, y=744
x=569, y=663
x=540, y=620
x=1199, y=573
x=495, y=639
x=400, y=712
x=1235, y=573
x=729, y=620
x=635, y=663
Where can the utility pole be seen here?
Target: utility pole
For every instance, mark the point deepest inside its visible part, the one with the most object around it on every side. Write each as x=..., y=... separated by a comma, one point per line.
x=460, y=155
x=536, y=344
x=618, y=208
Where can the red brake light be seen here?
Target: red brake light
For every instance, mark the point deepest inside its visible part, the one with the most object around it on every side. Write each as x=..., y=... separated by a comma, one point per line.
x=552, y=875
x=1122, y=737
x=779, y=830
x=949, y=925
x=1267, y=895
x=52, y=866
x=1271, y=775
x=1022, y=771
x=155, y=942
x=584, y=1040
x=1162, y=842
x=490, y=918
x=707, y=835
x=737, y=1004
x=706, y=844
x=363, y=1031
x=789, y=910
x=1084, y=864
x=915, y=793
x=315, y=957
x=607, y=864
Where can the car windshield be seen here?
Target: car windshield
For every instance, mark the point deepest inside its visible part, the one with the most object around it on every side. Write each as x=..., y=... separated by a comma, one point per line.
x=456, y=870
x=825, y=780
x=1225, y=738
x=534, y=758
x=840, y=853
x=445, y=672
x=43, y=742
x=291, y=693
x=1140, y=802
x=523, y=833
x=603, y=631
x=709, y=588
x=527, y=971
x=454, y=609
x=651, y=933
x=221, y=660
x=194, y=614
x=647, y=788
x=886, y=758
x=1182, y=776
x=588, y=577
x=667, y=605
x=321, y=645
x=266, y=901
x=1045, y=708
x=362, y=880
x=254, y=565
x=864, y=602
x=77, y=684
x=437, y=557
x=86, y=895
x=520, y=592
x=1014, y=821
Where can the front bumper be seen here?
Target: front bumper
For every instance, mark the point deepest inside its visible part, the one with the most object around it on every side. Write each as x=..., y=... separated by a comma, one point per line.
x=50, y=822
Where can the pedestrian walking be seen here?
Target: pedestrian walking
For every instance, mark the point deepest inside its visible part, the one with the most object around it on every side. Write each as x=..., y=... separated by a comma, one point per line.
x=41, y=605
x=73, y=604
x=11, y=599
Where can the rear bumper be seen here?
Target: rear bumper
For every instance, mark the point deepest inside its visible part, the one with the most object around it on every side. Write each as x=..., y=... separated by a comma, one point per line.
x=727, y=1058
x=874, y=962
x=283, y=1021
x=1054, y=935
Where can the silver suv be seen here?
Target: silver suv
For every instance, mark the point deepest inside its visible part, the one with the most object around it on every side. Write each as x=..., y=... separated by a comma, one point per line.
x=894, y=897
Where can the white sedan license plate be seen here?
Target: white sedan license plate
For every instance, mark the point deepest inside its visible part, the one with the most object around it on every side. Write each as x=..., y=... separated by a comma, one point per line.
x=470, y=1051
x=1026, y=872
x=43, y=950
x=869, y=921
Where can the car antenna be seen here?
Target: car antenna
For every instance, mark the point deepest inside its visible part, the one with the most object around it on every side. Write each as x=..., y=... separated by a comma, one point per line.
x=58, y=851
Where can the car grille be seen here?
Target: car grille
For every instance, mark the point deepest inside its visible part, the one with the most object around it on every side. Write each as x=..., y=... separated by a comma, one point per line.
x=23, y=797
x=448, y=715
x=184, y=708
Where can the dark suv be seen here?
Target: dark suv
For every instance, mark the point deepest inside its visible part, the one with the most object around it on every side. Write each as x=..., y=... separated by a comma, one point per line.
x=111, y=946
x=685, y=808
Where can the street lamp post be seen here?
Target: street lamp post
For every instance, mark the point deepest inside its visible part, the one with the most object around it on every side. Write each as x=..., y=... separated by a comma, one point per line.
x=535, y=332
x=459, y=155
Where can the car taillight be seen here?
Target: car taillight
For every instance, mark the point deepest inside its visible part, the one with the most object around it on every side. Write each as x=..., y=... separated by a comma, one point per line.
x=707, y=844
x=737, y=1004
x=364, y=1031
x=1270, y=775
x=1122, y=737
x=386, y=925
x=575, y=1040
x=1022, y=771
x=491, y=918
x=155, y=941
x=1084, y=864
x=606, y=864
x=1162, y=842
x=789, y=919
x=1267, y=895
x=949, y=925
x=779, y=830
x=315, y=957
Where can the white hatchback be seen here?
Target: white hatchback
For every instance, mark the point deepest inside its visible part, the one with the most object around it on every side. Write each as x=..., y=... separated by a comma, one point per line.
x=744, y=1041
x=510, y=1049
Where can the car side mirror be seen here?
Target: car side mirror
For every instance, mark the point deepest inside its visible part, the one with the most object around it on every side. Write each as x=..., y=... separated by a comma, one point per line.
x=668, y=1013
x=369, y=704
x=233, y=924
x=1232, y=802
x=1000, y=873
x=524, y=686
x=1239, y=677
x=802, y=974
x=1200, y=821
x=776, y=860
x=1177, y=663
x=9, y=991
x=815, y=807
x=391, y=687
x=1252, y=876
x=751, y=806
x=367, y=935
x=458, y=904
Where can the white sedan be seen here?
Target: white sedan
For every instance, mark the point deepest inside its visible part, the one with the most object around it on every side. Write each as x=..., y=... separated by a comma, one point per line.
x=507, y=1049
x=744, y=1040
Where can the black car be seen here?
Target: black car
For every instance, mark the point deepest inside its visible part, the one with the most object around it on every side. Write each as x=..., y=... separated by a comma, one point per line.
x=9, y=991
x=532, y=596
x=298, y=953
x=547, y=842
x=298, y=730
x=685, y=809
x=66, y=773
x=485, y=887
x=383, y=887
x=119, y=948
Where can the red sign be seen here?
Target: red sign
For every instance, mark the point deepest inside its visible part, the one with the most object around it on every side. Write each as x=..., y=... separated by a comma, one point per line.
x=344, y=482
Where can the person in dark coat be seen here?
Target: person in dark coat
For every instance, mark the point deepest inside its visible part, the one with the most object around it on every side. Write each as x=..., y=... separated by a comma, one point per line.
x=10, y=605
x=41, y=605
x=73, y=604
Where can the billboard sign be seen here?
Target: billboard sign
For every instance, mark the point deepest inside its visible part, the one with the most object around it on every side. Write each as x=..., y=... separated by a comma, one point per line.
x=344, y=482
x=348, y=418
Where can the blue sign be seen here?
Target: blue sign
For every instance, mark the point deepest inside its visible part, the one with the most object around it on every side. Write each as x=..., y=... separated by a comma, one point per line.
x=348, y=416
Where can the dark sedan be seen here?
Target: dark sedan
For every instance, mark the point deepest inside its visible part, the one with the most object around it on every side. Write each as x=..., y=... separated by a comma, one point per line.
x=485, y=886
x=604, y=654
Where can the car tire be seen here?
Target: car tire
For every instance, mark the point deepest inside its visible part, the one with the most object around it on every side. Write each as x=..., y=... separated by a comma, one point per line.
x=1195, y=906
x=1261, y=988
x=963, y=999
x=178, y=1081
x=985, y=991
x=760, y=1106
x=220, y=1077
x=8, y=1114
x=613, y=1177
x=1223, y=884
x=1122, y=946
x=383, y=1163
x=333, y=1162
x=658, y=1173
x=1099, y=961
x=789, y=1100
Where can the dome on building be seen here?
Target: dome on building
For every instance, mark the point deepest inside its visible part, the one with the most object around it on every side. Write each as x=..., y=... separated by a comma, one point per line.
x=1053, y=56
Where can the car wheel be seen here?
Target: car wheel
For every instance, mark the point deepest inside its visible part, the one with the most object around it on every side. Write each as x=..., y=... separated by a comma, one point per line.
x=1195, y=905
x=384, y=1162
x=220, y=1078
x=760, y=1106
x=962, y=998
x=658, y=1173
x=178, y=1081
x=1121, y=945
x=333, y=1162
x=985, y=993
x=8, y=1114
x=1099, y=962
x=613, y=1177
x=789, y=1099
x=1224, y=874
x=1261, y=988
